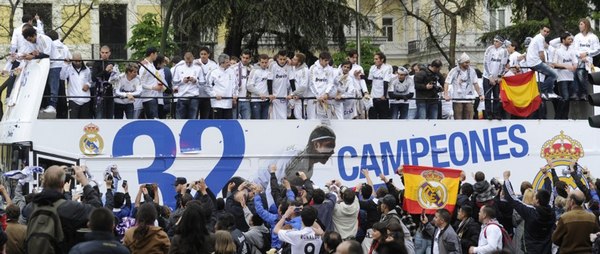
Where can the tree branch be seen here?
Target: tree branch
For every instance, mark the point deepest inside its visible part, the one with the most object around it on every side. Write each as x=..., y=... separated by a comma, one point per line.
x=436, y=43
x=81, y=16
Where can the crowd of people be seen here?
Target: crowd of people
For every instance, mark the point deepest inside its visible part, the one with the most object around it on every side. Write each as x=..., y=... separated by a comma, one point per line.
x=284, y=86
x=71, y=215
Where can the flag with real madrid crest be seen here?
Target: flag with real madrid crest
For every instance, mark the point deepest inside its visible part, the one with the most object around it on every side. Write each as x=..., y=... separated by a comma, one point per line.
x=430, y=188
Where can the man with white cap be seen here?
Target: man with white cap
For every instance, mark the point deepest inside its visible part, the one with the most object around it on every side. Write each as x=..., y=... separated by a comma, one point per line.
x=495, y=59
x=402, y=88
x=464, y=88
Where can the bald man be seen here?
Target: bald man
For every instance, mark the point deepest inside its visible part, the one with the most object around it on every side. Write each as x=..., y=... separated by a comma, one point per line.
x=349, y=247
x=73, y=215
x=187, y=78
x=80, y=81
x=575, y=226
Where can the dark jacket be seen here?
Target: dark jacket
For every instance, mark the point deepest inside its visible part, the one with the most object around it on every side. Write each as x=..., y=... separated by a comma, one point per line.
x=236, y=209
x=424, y=77
x=325, y=211
x=573, y=231
x=373, y=214
x=73, y=215
x=207, y=248
x=99, y=243
x=468, y=233
x=448, y=241
x=539, y=222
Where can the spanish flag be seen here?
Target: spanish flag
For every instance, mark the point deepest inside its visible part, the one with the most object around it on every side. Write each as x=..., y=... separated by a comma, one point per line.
x=429, y=189
x=520, y=95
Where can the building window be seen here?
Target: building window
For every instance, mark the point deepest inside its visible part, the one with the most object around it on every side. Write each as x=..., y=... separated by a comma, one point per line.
x=497, y=19
x=388, y=28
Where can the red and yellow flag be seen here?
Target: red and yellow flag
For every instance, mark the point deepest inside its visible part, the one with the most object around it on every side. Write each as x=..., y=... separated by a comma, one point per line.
x=430, y=188
x=520, y=95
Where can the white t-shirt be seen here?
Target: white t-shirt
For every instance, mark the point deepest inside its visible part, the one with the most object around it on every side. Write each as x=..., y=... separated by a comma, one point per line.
x=533, y=51
x=379, y=76
x=564, y=55
x=302, y=241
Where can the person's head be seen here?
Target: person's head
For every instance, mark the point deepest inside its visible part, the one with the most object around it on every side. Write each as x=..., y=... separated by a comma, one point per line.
x=76, y=60
x=223, y=61
x=560, y=202
x=353, y=56
x=246, y=57
x=441, y=218
x=528, y=196
x=561, y=188
x=30, y=34
x=226, y=221
x=542, y=198
x=263, y=61
x=464, y=61
x=465, y=212
x=435, y=66
x=119, y=199
x=379, y=59
x=395, y=231
x=584, y=26
x=498, y=41
x=308, y=216
x=13, y=212
x=188, y=57
x=159, y=62
x=145, y=217
x=298, y=59
x=346, y=67
x=321, y=144
x=575, y=200
x=233, y=60
x=510, y=47
x=402, y=73
x=224, y=243
x=282, y=57
x=131, y=71
x=479, y=176
x=486, y=213
x=180, y=183
x=348, y=196
x=566, y=39
x=466, y=189
x=101, y=219
x=331, y=240
x=366, y=191
x=388, y=203
x=204, y=54
x=256, y=220
x=192, y=226
x=380, y=231
x=544, y=30
x=27, y=18
x=525, y=185
x=318, y=196
x=104, y=52
x=283, y=206
x=54, y=178
x=52, y=34
x=381, y=192
x=349, y=247
x=151, y=54
x=324, y=58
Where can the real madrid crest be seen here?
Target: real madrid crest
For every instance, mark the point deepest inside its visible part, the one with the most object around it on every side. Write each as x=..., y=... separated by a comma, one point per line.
x=432, y=193
x=91, y=143
x=560, y=151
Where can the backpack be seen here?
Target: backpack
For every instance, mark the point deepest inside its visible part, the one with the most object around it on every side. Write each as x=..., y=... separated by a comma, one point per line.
x=507, y=244
x=44, y=229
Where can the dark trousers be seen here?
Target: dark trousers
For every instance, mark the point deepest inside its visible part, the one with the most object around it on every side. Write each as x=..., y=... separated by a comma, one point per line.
x=492, y=107
x=121, y=109
x=79, y=111
x=151, y=109
x=222, y=113
x=204, y=108
x=561, y=108
x=380, y=109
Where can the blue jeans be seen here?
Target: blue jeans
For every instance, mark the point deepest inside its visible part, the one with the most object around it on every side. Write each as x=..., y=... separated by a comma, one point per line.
x=123, y=108
x=581, y=82
x=186, y=108
x=151, y=109
x=427, y=110
x=260, y=109
x=399, y=110
x=242, y=109
x=53, y=80
x=548, y=85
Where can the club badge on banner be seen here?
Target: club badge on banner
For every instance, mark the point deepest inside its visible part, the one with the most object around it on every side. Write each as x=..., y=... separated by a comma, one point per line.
x=430, y=188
